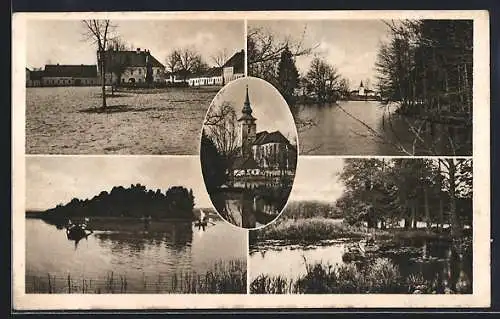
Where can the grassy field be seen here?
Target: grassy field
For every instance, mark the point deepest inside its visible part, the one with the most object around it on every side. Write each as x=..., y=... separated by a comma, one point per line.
x=382, y=276
x=223, y=277
x=67, y=120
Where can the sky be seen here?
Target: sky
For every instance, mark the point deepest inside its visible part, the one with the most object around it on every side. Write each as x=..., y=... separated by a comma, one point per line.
x=268, y=106
x=56, y=180
x=350, y=45
x=317, y=179
x=63, y=41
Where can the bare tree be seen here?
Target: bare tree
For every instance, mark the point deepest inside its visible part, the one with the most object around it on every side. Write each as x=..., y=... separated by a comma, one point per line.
x=220, y=58
x=222, y=128
x=186, y=61
x=100, y=33
x=116, y=62
x=323, y=80
x=264, y=52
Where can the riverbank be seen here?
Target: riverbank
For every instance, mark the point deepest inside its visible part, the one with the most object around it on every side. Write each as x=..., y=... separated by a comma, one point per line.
x=221, y=277
x=381, y=276
x=303, y=230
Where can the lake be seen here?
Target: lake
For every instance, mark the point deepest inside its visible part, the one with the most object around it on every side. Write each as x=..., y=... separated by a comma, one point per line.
x=333, y=132
x=430, y=259
x=148, y=261
x=62, y=120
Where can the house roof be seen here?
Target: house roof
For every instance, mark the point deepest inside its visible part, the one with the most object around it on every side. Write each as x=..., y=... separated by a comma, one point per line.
x=237, y=61
x=215, y=71
x=273, y=137
x=36, y=75
x=245, y=163
x=131, y=58
x=60, y=70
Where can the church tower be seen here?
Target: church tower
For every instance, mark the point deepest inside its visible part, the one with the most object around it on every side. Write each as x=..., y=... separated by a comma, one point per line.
x=361, y=89
x=248, y=128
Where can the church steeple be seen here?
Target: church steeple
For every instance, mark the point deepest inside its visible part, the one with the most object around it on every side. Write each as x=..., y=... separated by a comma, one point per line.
x=248, y=127
x=361, y=84
x=246, y=106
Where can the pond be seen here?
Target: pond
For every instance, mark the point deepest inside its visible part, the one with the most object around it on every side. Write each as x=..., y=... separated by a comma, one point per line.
x=374, y=129
x=250, y=207
x=147, y=261
x=430, y=259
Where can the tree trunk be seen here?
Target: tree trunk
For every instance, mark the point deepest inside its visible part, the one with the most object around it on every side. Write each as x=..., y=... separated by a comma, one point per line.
x=413, y=216
x=103, y=84
x=426, y=207
x=455, y=224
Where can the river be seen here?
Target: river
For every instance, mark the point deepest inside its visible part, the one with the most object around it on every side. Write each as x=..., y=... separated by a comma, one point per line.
x=148, y=261
x=374, y=129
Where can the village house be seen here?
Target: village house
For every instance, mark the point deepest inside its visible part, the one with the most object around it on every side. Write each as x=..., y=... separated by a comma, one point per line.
x=132, y=66
x=262, y=153
x=233, y=68
x=66, y=75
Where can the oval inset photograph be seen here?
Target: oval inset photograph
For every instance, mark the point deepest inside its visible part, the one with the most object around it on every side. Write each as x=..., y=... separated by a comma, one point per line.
x=249, y=152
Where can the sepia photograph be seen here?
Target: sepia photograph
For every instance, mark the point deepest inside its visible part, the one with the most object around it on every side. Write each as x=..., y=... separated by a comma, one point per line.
x=250, y=160
x=371, y=87
x=249, y=152
x=125, y=86
x=368, y=226
x=104, y=225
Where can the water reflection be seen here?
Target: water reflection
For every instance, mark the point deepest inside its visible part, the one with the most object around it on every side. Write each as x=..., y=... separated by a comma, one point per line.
x=141, y=256
x=250, y=207
x=373, y=129
x=446, y=264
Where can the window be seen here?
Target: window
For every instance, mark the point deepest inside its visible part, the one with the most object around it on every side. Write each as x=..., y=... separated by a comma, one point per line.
x=139, y=71
x=131, y=72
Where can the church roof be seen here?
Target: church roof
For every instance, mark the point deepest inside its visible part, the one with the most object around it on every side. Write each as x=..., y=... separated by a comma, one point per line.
x=273, y=137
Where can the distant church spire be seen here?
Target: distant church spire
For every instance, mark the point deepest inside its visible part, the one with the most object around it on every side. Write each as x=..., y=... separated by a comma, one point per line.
x=361, y=84
x=246, y=106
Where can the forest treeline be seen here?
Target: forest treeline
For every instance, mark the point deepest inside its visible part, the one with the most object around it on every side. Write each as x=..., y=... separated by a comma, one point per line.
x=309, y=209
x=136, y=201
x=383, y=191
x=427, y=65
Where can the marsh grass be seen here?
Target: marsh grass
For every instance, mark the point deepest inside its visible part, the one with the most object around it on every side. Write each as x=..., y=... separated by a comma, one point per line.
x=381, y=276
x=310, y=230
x=221, y=277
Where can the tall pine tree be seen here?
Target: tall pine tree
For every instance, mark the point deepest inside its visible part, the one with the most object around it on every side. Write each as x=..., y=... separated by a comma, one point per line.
x=288, y=76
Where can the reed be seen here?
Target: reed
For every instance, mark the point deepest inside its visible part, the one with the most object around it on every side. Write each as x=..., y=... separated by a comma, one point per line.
x=220, y=278
x=381, y=276
x=310, y=230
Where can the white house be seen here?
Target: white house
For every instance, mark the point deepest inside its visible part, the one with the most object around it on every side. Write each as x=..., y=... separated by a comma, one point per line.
x=233, y=68
x=132, y=66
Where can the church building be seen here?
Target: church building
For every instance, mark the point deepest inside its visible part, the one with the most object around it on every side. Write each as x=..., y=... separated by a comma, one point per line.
x=262, y=153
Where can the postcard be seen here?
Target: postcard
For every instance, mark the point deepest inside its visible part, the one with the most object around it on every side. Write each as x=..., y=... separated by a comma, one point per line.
x=207, y=160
